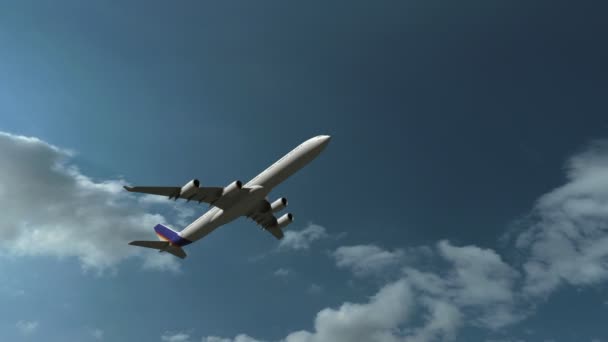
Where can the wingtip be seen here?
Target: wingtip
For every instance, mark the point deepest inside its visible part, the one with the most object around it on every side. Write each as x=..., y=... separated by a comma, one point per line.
x=128, y=188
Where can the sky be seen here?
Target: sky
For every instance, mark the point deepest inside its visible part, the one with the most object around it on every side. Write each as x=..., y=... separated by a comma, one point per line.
x=463, y=196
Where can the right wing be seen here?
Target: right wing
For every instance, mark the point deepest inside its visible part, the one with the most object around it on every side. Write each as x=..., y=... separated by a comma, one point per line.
x=202, y=194
x=267, y=221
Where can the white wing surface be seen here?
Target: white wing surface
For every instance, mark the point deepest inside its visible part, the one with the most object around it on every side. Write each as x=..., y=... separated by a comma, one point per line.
x=202, y=194
x=267, y=221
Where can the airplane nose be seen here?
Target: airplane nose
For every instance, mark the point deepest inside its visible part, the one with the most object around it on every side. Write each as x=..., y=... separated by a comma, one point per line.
x=324, y=139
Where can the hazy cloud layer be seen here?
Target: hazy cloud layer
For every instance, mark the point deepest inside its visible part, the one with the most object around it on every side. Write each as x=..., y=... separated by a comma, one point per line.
x=97, y=334
x=27, y=327
x=51, y=209
x=283, y=272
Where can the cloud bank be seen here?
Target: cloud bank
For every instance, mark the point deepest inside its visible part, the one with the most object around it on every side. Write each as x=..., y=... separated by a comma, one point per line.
x=568, y=240
x=51, y=209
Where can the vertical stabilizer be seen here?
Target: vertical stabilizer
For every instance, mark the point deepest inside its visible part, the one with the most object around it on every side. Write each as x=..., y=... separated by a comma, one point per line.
x=170, y=235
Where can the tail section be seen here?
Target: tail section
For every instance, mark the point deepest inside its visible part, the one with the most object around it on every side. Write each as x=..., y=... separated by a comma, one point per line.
x=170, y=241
x=170, y=235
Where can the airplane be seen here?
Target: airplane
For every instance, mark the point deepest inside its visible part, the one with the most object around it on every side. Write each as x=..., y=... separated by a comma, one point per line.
x=233, y=201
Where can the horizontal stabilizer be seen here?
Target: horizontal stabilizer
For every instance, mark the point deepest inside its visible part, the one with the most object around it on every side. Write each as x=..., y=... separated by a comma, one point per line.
x=162, y=246
x=150, y=244
x=177, y=251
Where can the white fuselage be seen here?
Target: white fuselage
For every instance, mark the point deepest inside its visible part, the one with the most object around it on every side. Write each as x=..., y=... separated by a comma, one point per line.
x=257, y=189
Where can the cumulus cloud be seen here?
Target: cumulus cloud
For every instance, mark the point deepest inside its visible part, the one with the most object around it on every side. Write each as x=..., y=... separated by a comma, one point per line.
x=27, y=327
x=50, y=208
x=567, y=242
x=477, y=289
x=302, y=239
x=366, y=260
x=478, y=281
x=175, y=337
x=376, y=320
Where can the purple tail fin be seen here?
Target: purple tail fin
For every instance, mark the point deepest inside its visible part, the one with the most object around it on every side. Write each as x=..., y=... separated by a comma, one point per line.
x=168, y=234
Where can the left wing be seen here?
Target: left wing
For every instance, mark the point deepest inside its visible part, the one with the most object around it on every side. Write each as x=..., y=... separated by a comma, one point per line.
x=203, y=194
x=192, y=191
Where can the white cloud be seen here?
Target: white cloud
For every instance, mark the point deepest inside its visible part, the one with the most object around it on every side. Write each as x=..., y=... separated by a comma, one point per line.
x=51, y=209
x=175, y=337
x=477, y=289
x=283, y=272
x=366, y=260
x=477, y=281
x=302, y=239
x=567, y=242
x=442, y=322
x=376, y=320
x=239, y=338
x=27, y=327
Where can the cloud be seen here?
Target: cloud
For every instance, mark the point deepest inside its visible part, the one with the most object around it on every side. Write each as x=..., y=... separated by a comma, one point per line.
x=302, y=239
x=477, y=288
x=175, y=337
x=97, y=334
x=376, y=320
x=239, y=338
x=477, y=281
x=365, y=260
x=50, y=208
x=27, y=327
x=283, y=272
x=567, y=241
x=314, y=289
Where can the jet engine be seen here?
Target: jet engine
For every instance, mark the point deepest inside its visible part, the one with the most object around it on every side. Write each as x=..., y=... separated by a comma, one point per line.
x=279, y=204
x=284, y=220
x=190, y=189
x=232, y=188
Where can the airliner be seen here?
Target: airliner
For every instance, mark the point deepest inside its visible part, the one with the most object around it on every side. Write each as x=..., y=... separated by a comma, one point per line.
x=233, y=201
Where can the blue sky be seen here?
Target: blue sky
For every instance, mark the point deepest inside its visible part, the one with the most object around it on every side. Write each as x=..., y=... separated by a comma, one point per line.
x=462, y=196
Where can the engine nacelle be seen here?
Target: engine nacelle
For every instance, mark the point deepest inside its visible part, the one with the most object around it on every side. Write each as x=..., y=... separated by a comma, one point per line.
x=190, y=189
x=284, y=220
x=232, y=188
x=279, y=204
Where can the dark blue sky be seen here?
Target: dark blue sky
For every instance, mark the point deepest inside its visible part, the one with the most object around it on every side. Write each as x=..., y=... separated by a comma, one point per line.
x=449, y=121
